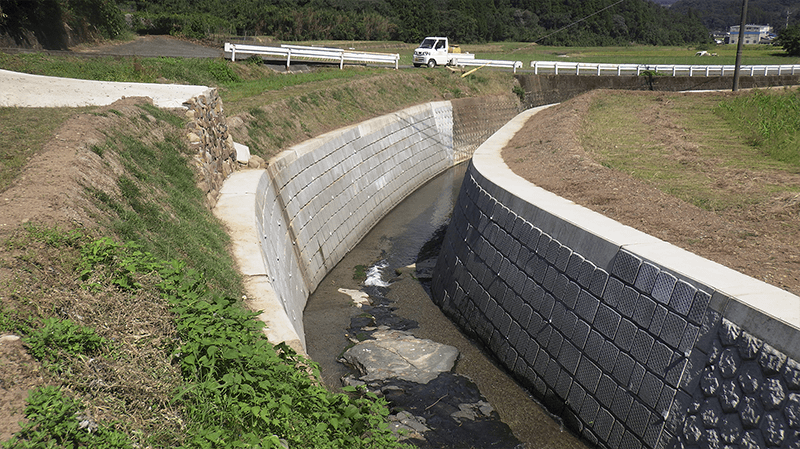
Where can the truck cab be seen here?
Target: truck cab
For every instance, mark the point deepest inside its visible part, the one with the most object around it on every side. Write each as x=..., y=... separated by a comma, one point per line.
x=432, y=51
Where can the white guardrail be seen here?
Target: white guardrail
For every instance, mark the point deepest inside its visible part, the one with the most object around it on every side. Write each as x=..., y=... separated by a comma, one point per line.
x=585, y=68
x=514, y=65
x=319, y=53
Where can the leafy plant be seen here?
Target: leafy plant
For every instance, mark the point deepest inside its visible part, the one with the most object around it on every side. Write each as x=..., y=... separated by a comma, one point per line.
x=54, y=420
x=63, y=336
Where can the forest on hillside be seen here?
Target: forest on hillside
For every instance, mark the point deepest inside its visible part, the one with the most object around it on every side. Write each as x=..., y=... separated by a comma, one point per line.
x=720, y=15
x=548, y=22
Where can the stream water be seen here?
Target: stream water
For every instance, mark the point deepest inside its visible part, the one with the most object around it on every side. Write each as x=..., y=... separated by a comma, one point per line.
x=390, y=251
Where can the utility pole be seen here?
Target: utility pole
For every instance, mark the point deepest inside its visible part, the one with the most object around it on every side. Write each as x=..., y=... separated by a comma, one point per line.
x=742, y=25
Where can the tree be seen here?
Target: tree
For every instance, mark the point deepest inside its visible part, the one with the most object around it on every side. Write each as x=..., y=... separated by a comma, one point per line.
x=789, y=39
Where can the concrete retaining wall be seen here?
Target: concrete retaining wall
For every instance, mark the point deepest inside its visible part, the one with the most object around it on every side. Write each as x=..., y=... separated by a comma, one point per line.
x=317, y=199
x=633, y=341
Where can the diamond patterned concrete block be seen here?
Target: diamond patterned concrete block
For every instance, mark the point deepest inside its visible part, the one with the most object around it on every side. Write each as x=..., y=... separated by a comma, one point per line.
x=555, y=342
x=589, y=409
x=574, y=266
x=638, y=418
x=541, y=363
x=575, y=397
x=615, y=438
x=682, y=297
x=626, y=266
x=665, y=401
x=594, y=345
x=688, y=339
x=628, y=302
x=562, y=259
x=608, y=356
x=587, y=305
x=637, y=375
x=525, y=316
x=625, y=334
x=657, y=320
x=662, y=289
x=548, y=302
x=673, y=330
x=643, y=313
x=642, y=344
x=606, y=390
x=571, y=293
x=623, y=369
x=676, y=369
x=569, y=356
x=613, y=292
x=551, y=373
x=646, y=278
x=652, y=433
x=586, y=273
x=560, y=286
x=598, y=282
x=543, y=244
x=563, y=384
x=552, y=251
x=568, y=326
x=699, y=307
x=650, y=390
x=660, y=357
x=588, y=375
x=622, y=404
x=606, y=321
x=550, y=278
x=602, y=424
x=580, y=333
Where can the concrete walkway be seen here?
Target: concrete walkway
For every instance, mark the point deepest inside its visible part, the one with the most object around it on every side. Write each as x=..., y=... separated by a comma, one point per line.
x=36, y=91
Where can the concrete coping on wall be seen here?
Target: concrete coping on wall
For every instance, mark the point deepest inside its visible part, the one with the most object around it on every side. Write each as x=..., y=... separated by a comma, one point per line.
x=236, y=208
x=764, y=310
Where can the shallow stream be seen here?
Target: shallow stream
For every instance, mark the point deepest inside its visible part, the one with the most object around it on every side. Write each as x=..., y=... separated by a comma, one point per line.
x=390, y=249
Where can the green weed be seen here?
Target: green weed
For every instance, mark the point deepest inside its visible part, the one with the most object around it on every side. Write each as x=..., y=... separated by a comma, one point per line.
x=56, y=421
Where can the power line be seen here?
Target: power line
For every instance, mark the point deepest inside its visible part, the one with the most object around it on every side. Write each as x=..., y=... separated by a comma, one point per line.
x=579, y=20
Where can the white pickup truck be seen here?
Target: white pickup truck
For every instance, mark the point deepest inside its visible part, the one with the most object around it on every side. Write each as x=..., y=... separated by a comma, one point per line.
x=435, y=51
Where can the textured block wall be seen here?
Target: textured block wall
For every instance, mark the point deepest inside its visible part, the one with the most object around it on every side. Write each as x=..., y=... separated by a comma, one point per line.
x=629, y=354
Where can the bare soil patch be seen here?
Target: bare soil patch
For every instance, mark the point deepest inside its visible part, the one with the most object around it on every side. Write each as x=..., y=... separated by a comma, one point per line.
x=759, y=240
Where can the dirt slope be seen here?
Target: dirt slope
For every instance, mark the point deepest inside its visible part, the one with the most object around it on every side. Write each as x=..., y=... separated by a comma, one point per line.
x=760, y=241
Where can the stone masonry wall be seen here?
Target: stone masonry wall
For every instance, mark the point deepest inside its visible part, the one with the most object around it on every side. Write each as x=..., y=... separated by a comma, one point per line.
x=207, y=133
x=630, y=354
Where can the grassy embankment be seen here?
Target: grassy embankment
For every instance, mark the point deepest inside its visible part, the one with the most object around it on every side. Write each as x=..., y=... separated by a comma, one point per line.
x=135, y=322
x=757, y=131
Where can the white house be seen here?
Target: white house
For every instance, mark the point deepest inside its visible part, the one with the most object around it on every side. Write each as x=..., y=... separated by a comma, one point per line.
x=753, y=34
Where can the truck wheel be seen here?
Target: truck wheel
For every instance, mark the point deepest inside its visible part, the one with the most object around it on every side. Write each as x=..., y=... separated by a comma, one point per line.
x=431, y=63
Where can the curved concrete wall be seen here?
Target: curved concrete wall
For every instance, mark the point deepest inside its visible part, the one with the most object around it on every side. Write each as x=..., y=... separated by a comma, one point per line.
x=317, y=199
x=633, y=341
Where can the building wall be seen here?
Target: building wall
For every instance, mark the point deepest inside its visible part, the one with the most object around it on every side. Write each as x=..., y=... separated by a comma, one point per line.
x=632, y=341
